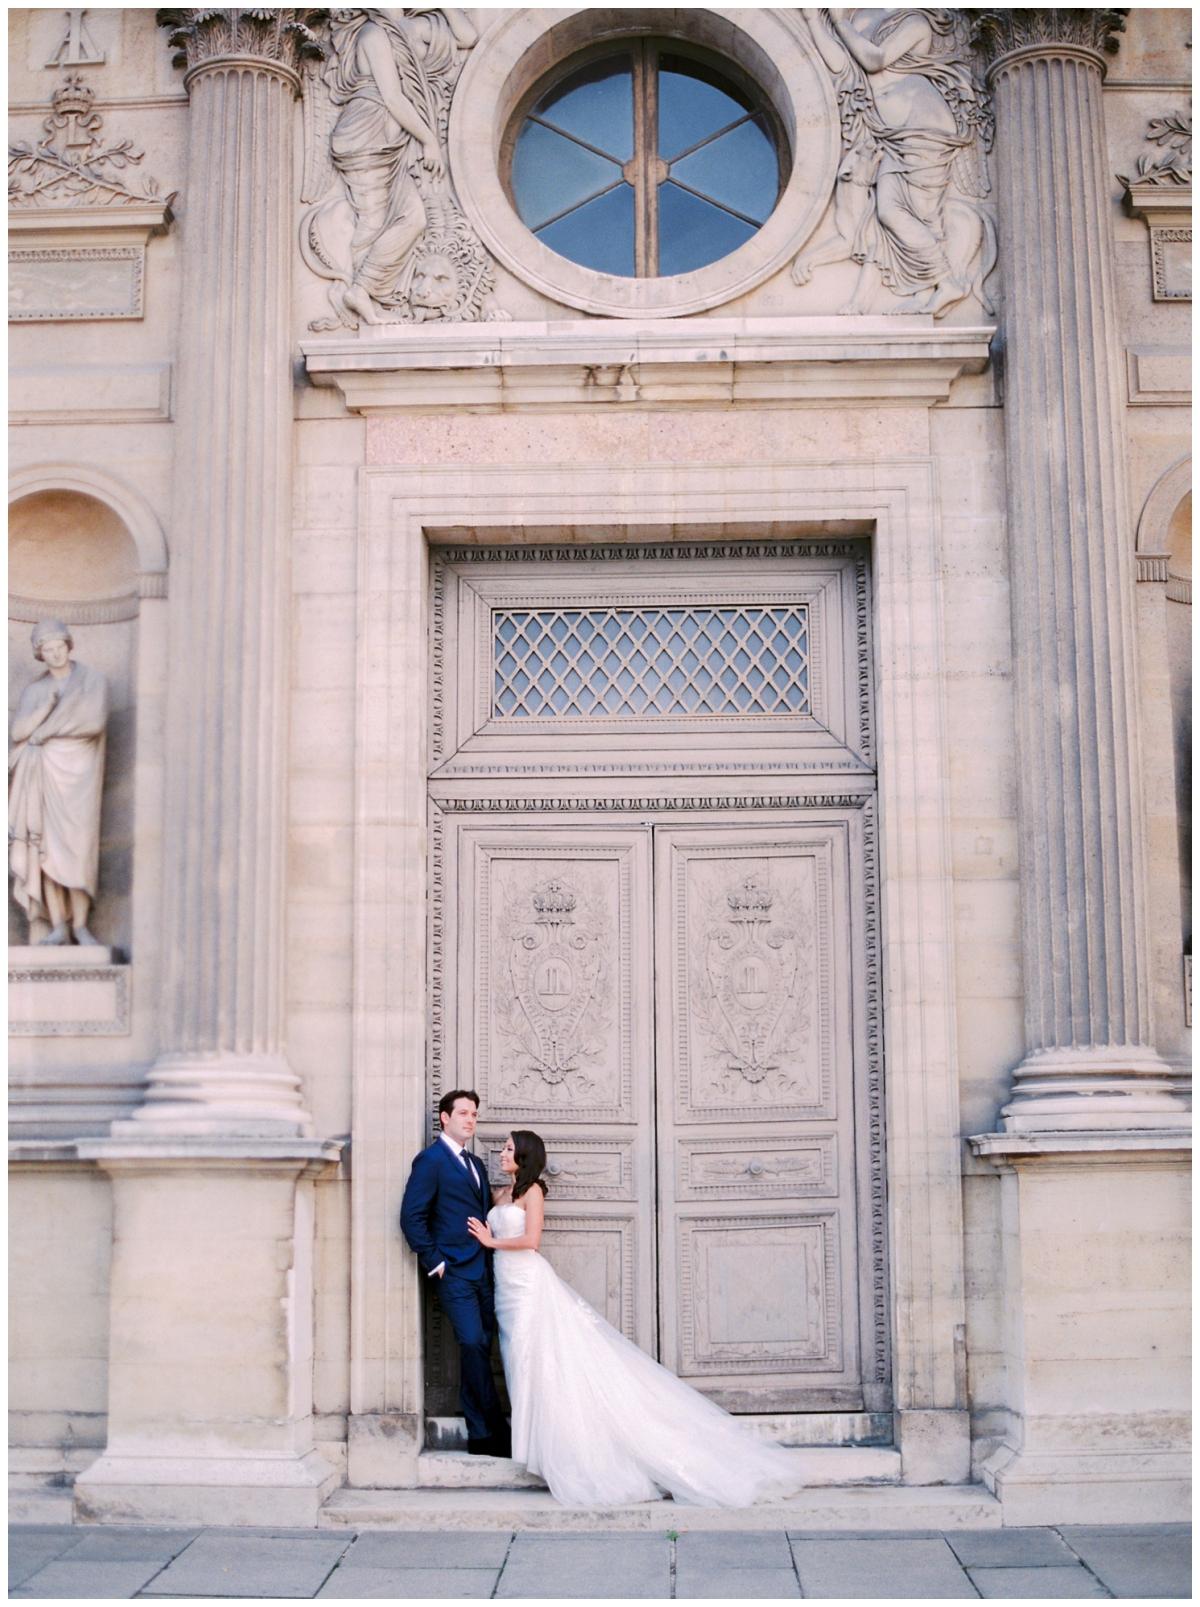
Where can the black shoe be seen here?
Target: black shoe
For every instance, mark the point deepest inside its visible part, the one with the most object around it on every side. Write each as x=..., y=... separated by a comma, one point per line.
x=481, y=1447
x=502, y=1445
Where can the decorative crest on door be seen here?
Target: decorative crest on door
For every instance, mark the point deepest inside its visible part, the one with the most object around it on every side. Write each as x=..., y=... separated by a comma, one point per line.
x=554, y=1022
x=746, y=993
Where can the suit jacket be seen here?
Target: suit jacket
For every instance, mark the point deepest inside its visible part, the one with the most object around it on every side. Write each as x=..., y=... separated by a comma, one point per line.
x=441, y=1193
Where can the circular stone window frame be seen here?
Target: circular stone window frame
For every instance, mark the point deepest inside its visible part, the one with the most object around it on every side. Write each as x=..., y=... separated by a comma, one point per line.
x=524, y=49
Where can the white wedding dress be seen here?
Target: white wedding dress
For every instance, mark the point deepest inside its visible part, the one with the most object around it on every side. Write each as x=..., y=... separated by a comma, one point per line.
x=595, y=1417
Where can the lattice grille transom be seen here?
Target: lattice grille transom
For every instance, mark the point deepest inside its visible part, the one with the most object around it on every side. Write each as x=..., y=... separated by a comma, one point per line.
x=563, y=663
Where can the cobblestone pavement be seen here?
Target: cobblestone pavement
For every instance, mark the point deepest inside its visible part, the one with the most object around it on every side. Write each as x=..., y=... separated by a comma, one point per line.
x=57, y=1562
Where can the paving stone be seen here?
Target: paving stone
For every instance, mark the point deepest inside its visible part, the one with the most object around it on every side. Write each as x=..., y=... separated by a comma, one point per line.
x=27, y=1552
x=234, y=1563
x=408, y=1584
x=454, y=1549
x=737, y=1584
x=1038, y=1584
x=898, y=1569
x=1143, y=1562
x=96, y=1581
x=1010, y=1548
x=745, y=1549
x=130, y=1545
x=631, y=1566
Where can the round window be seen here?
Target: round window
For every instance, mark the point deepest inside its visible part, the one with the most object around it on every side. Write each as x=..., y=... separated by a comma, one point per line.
x=643, y=162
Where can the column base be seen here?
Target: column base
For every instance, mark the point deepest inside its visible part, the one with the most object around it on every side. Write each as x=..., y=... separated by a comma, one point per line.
x=235, y=1491
x=225, y=1095
x=1095, y=1090
x=1037, y=1488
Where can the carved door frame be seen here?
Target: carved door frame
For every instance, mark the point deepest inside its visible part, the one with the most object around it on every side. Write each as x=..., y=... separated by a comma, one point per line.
x=403, y=512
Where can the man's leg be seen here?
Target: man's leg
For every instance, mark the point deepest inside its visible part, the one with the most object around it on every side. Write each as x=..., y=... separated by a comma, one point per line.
x=464, y=1304
x=501, y=1434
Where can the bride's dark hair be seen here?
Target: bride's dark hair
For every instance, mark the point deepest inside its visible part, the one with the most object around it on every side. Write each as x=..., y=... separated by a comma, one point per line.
x=530, y=1155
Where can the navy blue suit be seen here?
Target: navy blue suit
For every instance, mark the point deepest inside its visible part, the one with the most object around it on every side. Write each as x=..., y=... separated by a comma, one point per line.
x=441, y=1193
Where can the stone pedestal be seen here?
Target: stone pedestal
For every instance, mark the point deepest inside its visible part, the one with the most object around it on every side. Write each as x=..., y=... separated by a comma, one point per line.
x=1090, y=1060
x=1095, y=1250
x=67, y=992
x=210, y=1337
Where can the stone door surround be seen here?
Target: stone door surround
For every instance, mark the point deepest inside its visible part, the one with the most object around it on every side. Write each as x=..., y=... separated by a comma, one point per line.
x=405, y=510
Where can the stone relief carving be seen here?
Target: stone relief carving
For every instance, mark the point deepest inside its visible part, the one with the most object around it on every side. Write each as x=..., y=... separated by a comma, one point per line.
x=552, y=998
x=1171, y=164
x=916, y=130
x=386, y=230
x=76, y=48
x=72, y=165
x=56, y=774
x=749, y=994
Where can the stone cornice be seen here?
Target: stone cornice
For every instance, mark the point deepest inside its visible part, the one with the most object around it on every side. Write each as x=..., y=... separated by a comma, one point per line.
x=268, y=37
x=1002, y=35
x=1117, y=1143
x=753, y=362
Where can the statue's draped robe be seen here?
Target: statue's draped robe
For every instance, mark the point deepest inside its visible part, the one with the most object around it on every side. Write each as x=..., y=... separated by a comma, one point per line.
x=54, y=786
x=903, y=232
x=373, y=153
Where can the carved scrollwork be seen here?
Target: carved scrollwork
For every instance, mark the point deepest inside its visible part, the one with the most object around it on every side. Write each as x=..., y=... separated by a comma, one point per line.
x=916, y=128
x=73, y=165
x=386, y=230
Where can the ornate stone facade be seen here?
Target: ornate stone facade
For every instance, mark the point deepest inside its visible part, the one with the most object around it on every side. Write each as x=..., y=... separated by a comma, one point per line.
x=736, y=719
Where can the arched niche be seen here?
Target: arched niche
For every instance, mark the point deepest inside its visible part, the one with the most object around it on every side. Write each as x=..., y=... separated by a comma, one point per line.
x=73, y=557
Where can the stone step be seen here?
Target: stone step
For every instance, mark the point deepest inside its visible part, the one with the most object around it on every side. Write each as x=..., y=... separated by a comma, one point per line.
x=784, y=1428
x=817, y=1467
x=887, y=1508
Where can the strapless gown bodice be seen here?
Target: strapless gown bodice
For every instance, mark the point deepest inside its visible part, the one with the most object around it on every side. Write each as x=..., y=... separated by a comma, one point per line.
x=596, y=1417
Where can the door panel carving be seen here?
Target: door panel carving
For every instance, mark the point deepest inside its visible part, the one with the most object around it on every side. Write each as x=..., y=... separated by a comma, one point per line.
x=758, y=1294
x=755, y=1025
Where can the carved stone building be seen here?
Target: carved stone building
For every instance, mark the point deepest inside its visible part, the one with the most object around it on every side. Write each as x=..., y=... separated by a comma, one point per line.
x=642, y=564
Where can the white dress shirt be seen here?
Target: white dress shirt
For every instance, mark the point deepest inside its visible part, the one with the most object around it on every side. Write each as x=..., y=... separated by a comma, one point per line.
x=461, y=1155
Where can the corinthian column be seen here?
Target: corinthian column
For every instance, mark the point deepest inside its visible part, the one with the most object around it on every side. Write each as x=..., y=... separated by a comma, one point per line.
x=223, y=1069
x=1089, y=1060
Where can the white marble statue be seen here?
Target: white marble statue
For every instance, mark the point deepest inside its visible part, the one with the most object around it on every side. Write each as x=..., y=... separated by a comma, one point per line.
x=56, y=774
x=916, y=128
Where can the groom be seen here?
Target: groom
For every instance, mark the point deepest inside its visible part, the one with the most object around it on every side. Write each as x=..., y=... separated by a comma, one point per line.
x=444, y=1188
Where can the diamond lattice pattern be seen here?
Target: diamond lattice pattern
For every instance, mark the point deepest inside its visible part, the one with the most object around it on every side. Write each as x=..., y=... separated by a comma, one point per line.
x=559, y=663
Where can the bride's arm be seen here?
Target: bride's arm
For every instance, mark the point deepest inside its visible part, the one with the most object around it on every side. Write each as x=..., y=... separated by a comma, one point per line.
x=535, y=1216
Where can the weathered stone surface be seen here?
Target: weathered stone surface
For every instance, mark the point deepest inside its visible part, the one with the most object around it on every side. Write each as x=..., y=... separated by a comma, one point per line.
x=858, y=1570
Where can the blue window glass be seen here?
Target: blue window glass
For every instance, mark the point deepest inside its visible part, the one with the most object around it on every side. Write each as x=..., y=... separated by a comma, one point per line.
x=644, y=162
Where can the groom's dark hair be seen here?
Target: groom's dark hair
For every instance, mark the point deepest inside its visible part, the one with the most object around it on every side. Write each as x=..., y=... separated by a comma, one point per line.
x=447, y=1102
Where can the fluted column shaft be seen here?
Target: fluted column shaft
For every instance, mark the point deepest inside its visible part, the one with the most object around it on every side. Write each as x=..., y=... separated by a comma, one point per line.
x=1089, y=1058
x=223, y=1067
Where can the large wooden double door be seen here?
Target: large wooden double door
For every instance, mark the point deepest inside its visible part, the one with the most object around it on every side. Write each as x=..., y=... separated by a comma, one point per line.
x=685, y=1010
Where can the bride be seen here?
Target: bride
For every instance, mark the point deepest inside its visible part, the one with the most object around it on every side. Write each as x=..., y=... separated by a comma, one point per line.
x=601, y=1422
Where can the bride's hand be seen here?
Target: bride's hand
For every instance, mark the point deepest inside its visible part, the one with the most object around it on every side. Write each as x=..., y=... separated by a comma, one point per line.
x=479, y=1230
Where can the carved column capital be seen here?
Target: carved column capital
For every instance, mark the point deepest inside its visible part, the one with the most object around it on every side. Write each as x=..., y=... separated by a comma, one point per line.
x=272, y=38
x=1033, y=30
